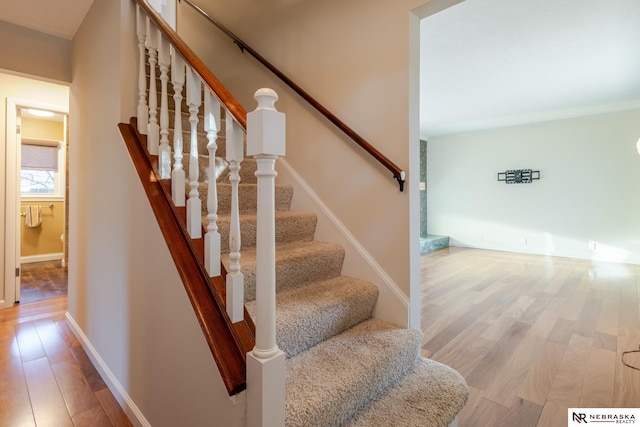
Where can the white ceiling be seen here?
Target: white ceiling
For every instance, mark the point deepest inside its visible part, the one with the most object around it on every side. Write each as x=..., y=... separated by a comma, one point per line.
x=484, y=63
x=60, y=18
x=495, y=63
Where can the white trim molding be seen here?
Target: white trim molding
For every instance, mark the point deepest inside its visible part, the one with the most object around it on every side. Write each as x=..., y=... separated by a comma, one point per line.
x=124, y=400
x=40, y=258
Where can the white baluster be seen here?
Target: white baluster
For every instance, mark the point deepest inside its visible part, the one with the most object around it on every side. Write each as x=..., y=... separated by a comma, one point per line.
x=164, y=152
x=194, y=205
x=143, y=108
x=177, y=174
x=153, y=130
x=235, y=278
x=266, y=363
x=212, y=237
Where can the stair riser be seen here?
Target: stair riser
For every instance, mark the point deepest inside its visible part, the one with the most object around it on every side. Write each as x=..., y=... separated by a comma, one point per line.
x=295, y=272
x=287, y=230
x=247, y=198
x=310, y=315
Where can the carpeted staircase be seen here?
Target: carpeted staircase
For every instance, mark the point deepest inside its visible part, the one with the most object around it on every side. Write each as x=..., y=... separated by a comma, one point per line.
x=344, y=368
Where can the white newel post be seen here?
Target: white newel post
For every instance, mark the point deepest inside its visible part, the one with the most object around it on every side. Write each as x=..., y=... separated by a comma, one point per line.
x=266, y=363
x=235, y=278
x=177, y=174
x=153, y=129
x=164, y=152
x=143, y=108
x=194, y=205
x=212, y=237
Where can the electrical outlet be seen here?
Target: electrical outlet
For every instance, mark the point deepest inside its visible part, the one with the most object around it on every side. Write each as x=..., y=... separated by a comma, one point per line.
x=524, y=241
x=423, y=186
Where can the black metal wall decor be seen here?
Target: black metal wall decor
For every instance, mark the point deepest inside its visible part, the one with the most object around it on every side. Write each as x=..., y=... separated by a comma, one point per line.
x=518, y=176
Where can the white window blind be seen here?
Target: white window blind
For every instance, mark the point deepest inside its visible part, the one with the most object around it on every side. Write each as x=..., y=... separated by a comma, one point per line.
x=39, y=155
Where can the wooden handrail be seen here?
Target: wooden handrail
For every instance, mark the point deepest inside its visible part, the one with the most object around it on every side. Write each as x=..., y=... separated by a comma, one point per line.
x=225, y=97
x=398, y=173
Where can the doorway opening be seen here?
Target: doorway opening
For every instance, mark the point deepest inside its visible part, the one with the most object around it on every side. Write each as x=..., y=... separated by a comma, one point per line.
x=43, y=205
x=21, y=94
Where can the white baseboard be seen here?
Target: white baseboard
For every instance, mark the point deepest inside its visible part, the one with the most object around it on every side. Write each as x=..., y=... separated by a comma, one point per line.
x=124, y=400
x=40, y=258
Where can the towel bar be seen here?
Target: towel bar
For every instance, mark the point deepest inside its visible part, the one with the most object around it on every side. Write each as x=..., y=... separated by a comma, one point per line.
x=25, y=214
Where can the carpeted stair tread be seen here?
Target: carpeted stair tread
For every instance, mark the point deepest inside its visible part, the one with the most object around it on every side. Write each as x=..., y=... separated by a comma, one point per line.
x=314, y=313
x=247, y=197
x=290, y=226
x=329, y=383
x=297, y=264
x=429, y=396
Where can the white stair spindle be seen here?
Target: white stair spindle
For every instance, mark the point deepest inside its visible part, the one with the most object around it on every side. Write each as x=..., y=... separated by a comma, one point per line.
x=164, y=153
x=143, y=108
x=266, y=363
x=235, y=278
x=212, y=237
x=194, y=205
x=153, y=129
x=177, y=174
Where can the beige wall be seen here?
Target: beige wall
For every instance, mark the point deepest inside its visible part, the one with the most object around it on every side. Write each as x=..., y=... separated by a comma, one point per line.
x=45, y=239
x=353, y=57
x=42, y=129
x=124, y=290
x=34, y=53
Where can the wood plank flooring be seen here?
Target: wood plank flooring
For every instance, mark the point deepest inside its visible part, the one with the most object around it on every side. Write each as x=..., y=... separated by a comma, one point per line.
x=533, y=335
x=47, y=379
x=42, y=280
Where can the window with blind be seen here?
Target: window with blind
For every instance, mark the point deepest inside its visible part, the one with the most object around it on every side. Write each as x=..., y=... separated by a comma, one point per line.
x=39, y=172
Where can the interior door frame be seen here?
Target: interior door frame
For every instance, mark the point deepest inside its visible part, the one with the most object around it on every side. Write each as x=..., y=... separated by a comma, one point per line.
x=11, y=292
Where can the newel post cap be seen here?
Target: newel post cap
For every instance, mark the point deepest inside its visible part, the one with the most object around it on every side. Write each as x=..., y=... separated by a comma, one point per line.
x=266, y=126
x=266, y=98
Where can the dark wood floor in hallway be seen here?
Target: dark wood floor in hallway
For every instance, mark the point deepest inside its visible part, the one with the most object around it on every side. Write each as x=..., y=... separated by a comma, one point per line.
x=46, y=377
x=533, y=335
x=42, y=280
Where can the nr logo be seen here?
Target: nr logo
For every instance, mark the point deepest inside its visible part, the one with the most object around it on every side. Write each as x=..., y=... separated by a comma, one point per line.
x=580, y=418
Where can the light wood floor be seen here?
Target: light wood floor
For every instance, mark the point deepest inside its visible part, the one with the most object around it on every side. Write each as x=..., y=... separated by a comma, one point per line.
x=532, y=335
x=46, y=378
